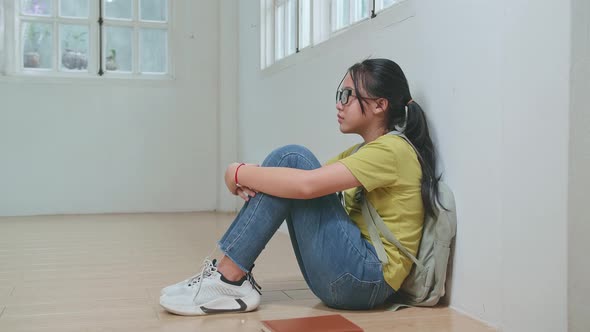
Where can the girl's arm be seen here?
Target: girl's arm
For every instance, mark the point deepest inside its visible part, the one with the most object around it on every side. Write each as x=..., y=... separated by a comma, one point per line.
x=291, y=182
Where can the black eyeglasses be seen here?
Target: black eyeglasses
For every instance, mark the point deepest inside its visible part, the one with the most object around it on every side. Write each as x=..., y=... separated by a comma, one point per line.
x=342, y=95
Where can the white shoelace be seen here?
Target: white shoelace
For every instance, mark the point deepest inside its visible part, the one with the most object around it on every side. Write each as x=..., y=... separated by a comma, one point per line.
x=206, y=262
x=205, y=266
x=207, y=271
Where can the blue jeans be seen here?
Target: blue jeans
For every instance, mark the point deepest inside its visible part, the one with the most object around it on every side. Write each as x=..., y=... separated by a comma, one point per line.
x=340, y=267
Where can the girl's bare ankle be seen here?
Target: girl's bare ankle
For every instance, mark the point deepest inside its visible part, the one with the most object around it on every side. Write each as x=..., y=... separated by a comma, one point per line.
x=229, y=269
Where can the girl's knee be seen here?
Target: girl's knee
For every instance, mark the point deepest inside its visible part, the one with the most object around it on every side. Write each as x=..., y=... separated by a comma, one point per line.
x=293, y=148
x=298, y=152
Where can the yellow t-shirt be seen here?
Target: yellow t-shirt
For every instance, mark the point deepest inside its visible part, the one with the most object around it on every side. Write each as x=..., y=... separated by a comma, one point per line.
x=389, y=170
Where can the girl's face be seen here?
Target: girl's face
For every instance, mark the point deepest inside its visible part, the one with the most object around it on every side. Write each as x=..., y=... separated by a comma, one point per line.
x=350, y=116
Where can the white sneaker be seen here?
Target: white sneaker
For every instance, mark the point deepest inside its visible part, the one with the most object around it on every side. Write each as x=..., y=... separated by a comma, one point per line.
x=185, y=286
x=212, y=293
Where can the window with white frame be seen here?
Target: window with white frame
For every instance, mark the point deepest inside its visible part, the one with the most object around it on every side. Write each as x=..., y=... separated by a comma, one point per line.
x=92, y=37
x=287, y=26
x=347, y=12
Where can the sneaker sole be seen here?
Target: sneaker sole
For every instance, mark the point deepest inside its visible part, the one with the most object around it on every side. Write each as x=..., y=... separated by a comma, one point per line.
x=247, y=303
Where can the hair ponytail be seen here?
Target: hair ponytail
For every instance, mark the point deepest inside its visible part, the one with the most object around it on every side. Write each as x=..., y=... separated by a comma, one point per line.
x=416, y=129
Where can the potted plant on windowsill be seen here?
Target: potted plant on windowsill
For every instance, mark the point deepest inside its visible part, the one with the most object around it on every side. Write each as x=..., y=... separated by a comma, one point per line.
x=35, y=36
x=111, y=63
x=73, y=56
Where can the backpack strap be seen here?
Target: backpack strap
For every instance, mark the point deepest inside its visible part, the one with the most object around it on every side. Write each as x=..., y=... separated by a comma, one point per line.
x=373, y=232
x=375, y=225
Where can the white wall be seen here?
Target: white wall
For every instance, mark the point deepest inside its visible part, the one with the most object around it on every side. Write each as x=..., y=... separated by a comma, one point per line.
x=107, y=145
x=493, y=78
x=535, y=68
x=579, y=180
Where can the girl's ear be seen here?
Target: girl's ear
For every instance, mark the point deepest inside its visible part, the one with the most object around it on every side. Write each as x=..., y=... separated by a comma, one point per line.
x=382, y=105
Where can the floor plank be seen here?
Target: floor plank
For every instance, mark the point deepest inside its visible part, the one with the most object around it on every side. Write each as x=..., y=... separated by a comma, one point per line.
x=300, y=294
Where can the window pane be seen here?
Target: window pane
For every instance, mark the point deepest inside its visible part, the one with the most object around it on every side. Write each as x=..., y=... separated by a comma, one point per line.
x=291, y=27
x=279, y=32
x=345, y=14
x=360, y=10
x=74, y=47
x=304, y=23
x=73, y=8
x=341, y=14
x=36, y=7
x=37, y=45
x=118, y=54
x=153, y=49
x=267, y=24
x=2, y=55
x=153, y=10
x=118, y=9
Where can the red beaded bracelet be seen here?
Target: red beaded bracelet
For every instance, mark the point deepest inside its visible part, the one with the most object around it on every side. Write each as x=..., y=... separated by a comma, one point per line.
x=236, y=174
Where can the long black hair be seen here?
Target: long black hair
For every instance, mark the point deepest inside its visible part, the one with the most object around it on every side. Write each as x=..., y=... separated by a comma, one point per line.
x=383, y=78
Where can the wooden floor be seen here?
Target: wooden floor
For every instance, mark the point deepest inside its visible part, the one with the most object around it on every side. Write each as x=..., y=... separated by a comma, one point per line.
x=105, y=272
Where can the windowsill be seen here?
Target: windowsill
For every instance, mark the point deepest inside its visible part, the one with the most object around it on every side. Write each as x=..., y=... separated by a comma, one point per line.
x=84, y=79
x=395, y=14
